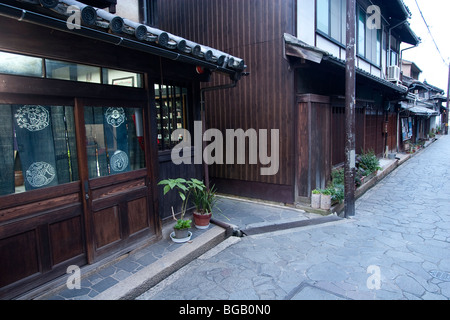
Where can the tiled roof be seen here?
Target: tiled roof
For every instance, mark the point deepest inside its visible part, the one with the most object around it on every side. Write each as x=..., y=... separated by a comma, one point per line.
x=127, y=31
x=418, y=108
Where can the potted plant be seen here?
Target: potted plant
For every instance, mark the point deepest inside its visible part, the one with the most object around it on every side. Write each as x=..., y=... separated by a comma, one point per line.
x=325, y=199
x=204, y=200
x=184, y=188
x=315, y=199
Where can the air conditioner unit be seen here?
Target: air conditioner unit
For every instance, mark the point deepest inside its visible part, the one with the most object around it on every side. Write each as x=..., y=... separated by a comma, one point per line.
x=393, y=73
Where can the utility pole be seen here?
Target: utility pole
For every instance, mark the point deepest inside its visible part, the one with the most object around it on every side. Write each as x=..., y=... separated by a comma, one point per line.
x=448, y=101
x=350, y=100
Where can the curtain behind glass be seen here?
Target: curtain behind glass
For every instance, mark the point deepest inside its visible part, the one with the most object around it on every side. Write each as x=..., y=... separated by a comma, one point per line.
x=6, y=151
x=38, y=145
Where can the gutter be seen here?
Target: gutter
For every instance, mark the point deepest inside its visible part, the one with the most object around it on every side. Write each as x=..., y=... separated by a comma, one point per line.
x=23, y=15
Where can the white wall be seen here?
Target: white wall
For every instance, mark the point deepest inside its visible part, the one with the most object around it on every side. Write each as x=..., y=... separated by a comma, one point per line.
x=128, y=9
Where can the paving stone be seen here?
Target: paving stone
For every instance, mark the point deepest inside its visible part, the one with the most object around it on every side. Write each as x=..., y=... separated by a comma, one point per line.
x=105, y=284
x=402, y=226
x=312, y=293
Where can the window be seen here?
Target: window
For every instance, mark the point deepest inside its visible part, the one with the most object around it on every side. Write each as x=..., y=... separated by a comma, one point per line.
x=332, y=19
x=22, y=65
x=17, y=64
x=72, y=71
x=171, y=106
x=361, y=32
x=149, y=12
x=37, y=147
x=369, y=40
x=394, y=56
x=323, y=12
x=122, y=78
x=114, y=140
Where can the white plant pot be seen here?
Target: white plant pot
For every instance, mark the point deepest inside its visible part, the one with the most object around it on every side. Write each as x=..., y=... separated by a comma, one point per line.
x=181, y=240
x=325, y=202
x=315, y=201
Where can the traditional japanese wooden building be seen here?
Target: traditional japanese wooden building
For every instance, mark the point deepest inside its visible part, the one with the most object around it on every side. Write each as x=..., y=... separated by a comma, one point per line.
x=422, y=112
x=295, y=51
x=88, y=103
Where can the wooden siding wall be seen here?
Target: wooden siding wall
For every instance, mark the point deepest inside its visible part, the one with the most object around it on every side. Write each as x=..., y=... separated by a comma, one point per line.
x=338, y=133
x=392, y=132
x=375, y=138
x=314, y=154
x=369, y=133
x=252, y=30
x=168, y=170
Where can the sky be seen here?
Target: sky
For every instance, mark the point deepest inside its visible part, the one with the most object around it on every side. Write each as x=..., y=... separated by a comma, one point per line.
x=426, y=56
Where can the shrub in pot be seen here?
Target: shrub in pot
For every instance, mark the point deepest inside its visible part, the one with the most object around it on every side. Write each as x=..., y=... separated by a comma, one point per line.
x=184, y=188
x=204, y=200
x=325, y=199
x=315, y=199
x=181, y=229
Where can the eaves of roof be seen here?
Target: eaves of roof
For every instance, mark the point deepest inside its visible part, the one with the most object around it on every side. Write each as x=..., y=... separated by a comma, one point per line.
x=305, y=50
x=394, y=9
x=433, y=88
x=400, y=89
x=407, y=35
x=101, y=25
x=420, y=110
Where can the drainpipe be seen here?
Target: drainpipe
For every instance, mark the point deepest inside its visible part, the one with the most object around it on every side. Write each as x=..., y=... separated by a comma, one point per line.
x=390, y=29
x=203, y=117
x=401, y=52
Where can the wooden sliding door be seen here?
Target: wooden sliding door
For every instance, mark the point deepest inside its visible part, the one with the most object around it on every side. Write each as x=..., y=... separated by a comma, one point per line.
x=75, y=186
x=41, y=209
x=115, y=179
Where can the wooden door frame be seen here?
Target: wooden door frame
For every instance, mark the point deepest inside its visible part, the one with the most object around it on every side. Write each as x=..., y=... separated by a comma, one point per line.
x=304, y=125
x=88, y=184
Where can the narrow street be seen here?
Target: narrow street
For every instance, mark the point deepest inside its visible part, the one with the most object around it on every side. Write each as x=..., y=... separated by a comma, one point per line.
x=396, y=247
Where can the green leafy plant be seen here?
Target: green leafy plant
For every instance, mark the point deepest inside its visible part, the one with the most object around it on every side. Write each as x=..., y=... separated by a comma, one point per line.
x=367, y=162
x=337, y=185
x=183, y=224
x=315, y=191
x=204, y=199
x=337, y=177
x=184, y=188
x=327, y=192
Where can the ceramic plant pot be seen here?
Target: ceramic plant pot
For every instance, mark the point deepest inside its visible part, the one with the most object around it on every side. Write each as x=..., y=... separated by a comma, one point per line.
x=202, y=221
x=181, y=235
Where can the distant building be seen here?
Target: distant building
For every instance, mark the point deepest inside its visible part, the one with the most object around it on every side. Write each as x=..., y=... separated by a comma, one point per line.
x=421, y=110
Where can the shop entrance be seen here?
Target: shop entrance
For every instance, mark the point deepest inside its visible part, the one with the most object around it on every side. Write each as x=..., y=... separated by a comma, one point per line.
x=115, y=179
x=75, y=185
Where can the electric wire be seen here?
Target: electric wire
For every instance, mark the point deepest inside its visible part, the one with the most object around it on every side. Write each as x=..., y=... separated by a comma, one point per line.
x=431, y=35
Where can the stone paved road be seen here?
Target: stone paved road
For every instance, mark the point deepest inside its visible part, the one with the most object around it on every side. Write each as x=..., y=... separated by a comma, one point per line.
x=401, y=235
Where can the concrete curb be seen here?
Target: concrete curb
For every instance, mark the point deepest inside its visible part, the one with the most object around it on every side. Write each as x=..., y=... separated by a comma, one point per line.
x=140, y=282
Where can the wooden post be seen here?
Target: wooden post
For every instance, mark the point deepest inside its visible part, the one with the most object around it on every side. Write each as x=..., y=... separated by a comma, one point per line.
x=350, y=100
x=448, y=101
